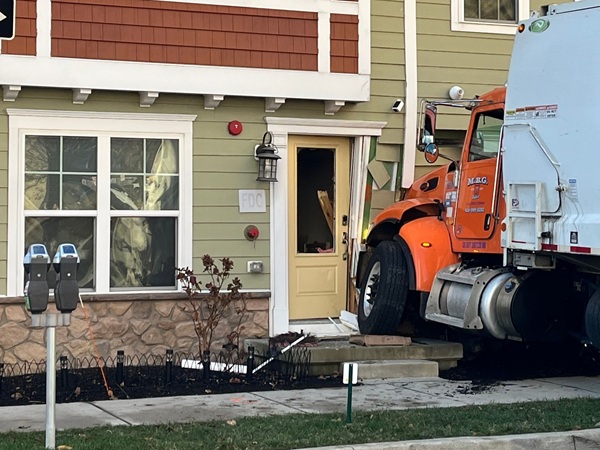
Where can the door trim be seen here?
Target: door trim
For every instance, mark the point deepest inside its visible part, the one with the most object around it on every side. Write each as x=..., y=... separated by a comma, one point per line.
x=281, y=127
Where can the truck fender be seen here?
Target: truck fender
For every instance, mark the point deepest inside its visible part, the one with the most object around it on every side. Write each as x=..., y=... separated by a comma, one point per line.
x=388, y=222
x=429, y=243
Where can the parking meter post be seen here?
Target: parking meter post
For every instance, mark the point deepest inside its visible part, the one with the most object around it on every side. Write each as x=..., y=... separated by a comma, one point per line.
x=50, y=387
x=66, y=295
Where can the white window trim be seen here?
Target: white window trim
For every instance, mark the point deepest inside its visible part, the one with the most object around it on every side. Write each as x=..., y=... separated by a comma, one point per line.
x=24, y=121
x=458, y=22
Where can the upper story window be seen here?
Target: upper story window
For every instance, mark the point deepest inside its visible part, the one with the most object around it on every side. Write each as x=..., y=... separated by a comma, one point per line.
x=491, y=10
x=113, y=188
x=488, y=16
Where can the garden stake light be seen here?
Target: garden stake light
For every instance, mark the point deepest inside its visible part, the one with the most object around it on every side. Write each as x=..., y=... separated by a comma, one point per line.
x=206, y=364
x=250, y=363
x=120, y=361
x=1, y=375
x=64, y=371
x=168, y=366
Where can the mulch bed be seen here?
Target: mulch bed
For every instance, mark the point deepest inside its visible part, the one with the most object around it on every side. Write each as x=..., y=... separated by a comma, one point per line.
x=85, y=385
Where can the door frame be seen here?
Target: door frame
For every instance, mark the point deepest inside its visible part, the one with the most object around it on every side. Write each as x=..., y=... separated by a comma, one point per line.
x=281, y=127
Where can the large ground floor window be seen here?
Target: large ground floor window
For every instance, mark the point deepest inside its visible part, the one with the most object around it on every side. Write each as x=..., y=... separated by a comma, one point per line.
x=117, y=186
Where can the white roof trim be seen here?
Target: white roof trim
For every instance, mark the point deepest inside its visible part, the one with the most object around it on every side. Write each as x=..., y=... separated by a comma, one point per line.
x=183, y=79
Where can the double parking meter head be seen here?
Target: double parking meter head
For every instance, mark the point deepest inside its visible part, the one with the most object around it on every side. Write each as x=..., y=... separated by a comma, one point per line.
x=36, y=263
x=66, y=291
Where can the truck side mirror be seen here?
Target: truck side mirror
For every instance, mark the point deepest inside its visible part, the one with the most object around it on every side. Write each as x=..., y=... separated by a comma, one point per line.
x=431, y=153
x=427, y=129
x=66, y=291
x=36, y=263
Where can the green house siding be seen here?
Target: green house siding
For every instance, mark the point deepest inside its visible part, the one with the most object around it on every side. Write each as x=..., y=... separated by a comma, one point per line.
x=475, y=61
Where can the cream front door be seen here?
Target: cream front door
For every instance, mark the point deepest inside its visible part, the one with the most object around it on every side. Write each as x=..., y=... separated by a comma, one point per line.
x=319, y=198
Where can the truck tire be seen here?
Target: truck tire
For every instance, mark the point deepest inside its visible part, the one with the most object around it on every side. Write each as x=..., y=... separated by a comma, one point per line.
x=383, y=290
x=592, y=319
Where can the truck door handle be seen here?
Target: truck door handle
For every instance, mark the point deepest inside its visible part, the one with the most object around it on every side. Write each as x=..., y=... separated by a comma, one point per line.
x=487, y=221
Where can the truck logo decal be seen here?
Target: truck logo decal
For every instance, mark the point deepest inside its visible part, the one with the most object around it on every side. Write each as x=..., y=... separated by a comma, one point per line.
x=477, y=180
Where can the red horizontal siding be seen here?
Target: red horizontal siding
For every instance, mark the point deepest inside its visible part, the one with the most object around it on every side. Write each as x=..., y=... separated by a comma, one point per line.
x=25, y=30
x=184, y=33
x=344, y=43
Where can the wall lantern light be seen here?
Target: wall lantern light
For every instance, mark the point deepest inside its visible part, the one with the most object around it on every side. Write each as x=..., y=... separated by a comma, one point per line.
x=266, y=155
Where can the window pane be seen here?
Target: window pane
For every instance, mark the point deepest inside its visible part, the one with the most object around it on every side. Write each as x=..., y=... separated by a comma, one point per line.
x=485, y=140
x=79, y=154
x=142, y=252
x=53, y=231
x=42, y=153
x=47, y=159
x=489, y=9
x=162, y=156
x=471, y=9
x=126, y=155
x=79, y=192
x=507, y=10
x=162, y=190
x=42, y=191
x=126, y=192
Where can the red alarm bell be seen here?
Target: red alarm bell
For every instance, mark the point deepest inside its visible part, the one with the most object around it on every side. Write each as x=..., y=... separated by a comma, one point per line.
x=235, y=127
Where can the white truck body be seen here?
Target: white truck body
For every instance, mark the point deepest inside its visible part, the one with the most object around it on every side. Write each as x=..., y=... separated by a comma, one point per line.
x=551, y=165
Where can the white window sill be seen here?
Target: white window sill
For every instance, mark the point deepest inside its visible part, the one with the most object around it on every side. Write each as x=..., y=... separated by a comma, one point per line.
x=477, y=27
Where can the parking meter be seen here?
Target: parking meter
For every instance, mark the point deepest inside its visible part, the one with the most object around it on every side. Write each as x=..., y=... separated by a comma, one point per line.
x=36, y=263
x=66, y=290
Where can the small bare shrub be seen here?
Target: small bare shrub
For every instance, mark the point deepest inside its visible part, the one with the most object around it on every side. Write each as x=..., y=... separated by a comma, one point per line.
x=220, y=302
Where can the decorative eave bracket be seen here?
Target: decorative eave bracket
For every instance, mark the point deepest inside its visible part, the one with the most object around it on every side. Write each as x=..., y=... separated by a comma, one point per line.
x=80, y=95
x=272, y=104
x=147, y=98
x=211, y=101
x=333, y=106
x=11, y=92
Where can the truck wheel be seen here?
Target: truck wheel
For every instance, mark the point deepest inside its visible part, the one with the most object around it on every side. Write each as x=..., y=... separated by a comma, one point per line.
x=383, y=290
x=592, y=319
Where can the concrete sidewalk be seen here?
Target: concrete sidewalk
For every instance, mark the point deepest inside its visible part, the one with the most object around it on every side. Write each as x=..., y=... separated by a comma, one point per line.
x=388, y=394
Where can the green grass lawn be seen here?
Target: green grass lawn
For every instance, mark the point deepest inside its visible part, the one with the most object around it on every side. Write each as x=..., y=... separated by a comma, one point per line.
x=312, y=430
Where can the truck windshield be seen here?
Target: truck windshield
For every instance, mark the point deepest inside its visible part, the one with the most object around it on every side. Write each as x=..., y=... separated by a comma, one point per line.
x=485, y=139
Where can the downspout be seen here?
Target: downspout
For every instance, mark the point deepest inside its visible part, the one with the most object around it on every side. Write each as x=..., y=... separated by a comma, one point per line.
x=411, y=100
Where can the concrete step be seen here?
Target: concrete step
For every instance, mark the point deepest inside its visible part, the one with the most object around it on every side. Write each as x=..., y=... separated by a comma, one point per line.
x=328, y=354
x=404, y=368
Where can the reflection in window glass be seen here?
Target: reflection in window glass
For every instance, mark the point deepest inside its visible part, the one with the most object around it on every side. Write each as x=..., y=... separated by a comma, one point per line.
x=53, y=231
x=62, y=177
x=42, y=153
x=491, y=10
x=144, y=174
x=142, y=252
x=60, y=173
x=485, y=141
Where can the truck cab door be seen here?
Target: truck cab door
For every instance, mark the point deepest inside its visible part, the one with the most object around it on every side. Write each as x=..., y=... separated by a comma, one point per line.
x=479, y=186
